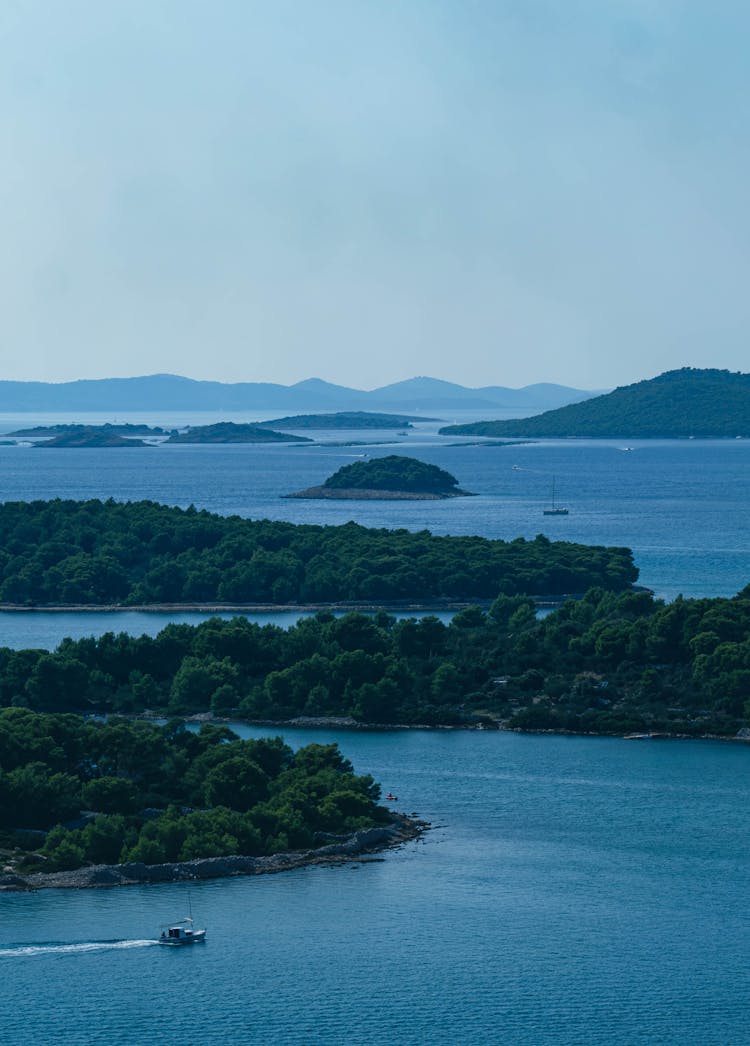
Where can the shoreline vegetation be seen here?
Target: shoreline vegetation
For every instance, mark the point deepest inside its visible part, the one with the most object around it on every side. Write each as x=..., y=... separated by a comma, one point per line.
x=347, y=723
x=77, y=792
x=356, y=846
x=606, y=663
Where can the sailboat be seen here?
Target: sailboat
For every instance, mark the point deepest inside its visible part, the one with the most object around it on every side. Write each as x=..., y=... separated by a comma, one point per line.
x=555, y=509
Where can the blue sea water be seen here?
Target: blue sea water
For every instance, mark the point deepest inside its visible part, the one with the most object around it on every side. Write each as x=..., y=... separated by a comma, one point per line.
x=680, y=505
x=572, y=891
x=44, y=629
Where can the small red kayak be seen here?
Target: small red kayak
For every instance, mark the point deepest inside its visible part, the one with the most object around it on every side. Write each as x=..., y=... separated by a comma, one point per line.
x=393, y=798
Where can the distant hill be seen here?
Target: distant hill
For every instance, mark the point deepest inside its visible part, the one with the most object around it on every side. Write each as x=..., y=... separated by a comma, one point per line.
x=434, y=394
x=167, y=392
x=676, y=405
x=394, y=476
x=347, y=419
x=229, y=432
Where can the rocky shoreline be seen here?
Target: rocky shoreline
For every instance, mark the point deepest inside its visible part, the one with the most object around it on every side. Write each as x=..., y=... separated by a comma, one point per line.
x=360, y=494
x=344, y=848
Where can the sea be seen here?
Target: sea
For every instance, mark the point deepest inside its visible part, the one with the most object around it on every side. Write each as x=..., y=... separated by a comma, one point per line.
x=571, y=890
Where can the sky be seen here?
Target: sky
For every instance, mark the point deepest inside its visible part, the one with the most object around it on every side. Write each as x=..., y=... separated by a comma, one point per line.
x=486, y=191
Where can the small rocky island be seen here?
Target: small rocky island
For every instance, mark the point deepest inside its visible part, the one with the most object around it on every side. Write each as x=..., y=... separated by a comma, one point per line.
x=94, y=436
x=231, y=432
x=113, y=429
x=394, y=477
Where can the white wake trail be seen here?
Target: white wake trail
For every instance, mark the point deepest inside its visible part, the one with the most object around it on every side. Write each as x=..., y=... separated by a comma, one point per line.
x=71, y=949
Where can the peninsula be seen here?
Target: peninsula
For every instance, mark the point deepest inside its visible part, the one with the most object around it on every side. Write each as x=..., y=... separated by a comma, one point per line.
x=148, y=795
x=230, y=432
x=679, y=404
x=394, y=477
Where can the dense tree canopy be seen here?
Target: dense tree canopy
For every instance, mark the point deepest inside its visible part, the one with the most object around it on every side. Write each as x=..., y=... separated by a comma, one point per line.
x=394, y=472
x=167, y=793
x=134, y=553
x=607, y=663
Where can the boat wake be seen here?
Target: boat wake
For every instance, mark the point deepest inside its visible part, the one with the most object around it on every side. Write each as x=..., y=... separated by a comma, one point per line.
x=79, y=947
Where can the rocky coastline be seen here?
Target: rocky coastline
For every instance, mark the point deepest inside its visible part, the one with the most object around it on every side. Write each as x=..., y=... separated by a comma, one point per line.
x=363, y=494
x=340, y=849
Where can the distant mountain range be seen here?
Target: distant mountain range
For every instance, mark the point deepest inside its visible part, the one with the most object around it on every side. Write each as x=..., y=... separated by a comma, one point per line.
x=167, y=392
x=678, y=404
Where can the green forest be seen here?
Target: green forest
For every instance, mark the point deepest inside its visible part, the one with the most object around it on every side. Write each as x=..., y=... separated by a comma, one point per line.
x=93, y=552
x=606, y=663
x=394, y=472
x=166, y=793
x=678, y=404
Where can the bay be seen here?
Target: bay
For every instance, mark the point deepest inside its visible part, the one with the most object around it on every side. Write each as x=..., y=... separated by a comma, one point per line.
x=572, y=891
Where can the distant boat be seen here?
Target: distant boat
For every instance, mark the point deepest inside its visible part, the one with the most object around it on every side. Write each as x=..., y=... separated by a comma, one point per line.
x=393, y=798
x=555, y=509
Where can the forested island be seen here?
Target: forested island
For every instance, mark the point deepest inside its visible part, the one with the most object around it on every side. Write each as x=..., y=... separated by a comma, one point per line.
x=74, y=792
x=678, y=404
x=231, y=432
x=347, y=419
x=608, y=663
x=394, y=477
x=90, y=437
x=135, y=553
x=111, y=428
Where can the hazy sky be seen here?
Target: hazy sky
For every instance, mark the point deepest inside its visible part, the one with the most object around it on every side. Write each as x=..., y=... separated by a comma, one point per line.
x=489, y=191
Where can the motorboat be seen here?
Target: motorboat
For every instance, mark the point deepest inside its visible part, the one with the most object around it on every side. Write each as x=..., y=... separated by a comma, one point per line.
x=182, y=932
x=392, y=798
